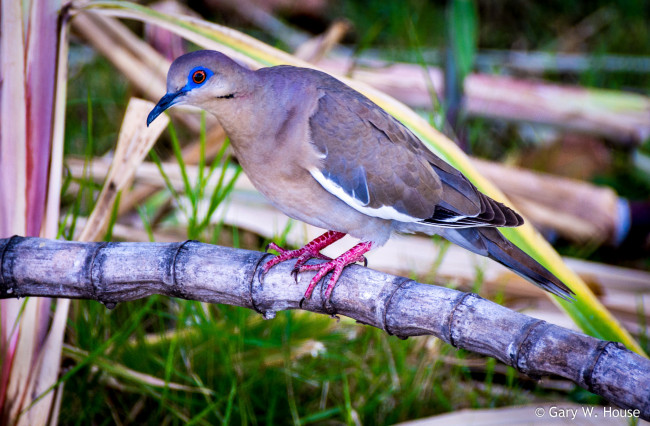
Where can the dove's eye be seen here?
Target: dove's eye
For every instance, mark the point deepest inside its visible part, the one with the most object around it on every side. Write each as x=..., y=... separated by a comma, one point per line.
x=198, y=76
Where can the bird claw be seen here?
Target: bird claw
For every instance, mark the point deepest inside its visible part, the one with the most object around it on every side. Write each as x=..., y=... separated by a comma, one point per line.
x=312, y=250
x=309, y=251
x=294, y=274
x=336, y=266
x=275, y=247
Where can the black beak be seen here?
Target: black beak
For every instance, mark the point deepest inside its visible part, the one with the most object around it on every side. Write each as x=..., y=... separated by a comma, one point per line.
x=165, y=102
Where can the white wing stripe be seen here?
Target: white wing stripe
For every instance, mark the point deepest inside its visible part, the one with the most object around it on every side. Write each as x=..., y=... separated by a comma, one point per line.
x=384, y=212
x=454, y=219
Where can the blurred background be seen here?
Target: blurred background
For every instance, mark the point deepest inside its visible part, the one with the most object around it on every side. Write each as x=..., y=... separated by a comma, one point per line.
x=550, y=99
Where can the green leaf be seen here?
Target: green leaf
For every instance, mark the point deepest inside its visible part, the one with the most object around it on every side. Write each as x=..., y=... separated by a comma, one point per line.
x=463, y=35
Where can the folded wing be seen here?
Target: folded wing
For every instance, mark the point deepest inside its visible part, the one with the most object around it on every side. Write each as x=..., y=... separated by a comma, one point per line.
x=376, y=165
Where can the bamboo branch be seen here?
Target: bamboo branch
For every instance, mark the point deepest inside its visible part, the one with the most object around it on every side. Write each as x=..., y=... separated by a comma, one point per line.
x=118, y=272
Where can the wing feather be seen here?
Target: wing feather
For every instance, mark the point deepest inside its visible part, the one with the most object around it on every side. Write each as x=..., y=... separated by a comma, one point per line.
x=378, y=166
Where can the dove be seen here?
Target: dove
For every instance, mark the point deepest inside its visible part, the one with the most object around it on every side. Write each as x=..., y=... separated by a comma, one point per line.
x=324, y=154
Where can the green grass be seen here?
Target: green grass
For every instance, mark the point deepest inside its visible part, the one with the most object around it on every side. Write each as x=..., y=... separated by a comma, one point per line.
x=197, y=192
x=94, y=81
x=256, y=371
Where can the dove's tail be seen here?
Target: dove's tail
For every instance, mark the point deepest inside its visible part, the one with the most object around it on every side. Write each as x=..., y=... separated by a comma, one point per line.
x=489, y=242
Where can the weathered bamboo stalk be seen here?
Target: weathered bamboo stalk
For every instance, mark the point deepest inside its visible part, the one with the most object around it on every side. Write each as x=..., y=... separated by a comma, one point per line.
x=118, y=272
x=577, y=210
x=586, y=110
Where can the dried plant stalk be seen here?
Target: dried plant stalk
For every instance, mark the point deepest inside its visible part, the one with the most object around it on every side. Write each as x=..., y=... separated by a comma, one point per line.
x=145, y=68
x=34, y=45
x=316, y=48
x=578, y=210
x=106, y=36
x=619, y=116
x=119, y=272
x=134, y=142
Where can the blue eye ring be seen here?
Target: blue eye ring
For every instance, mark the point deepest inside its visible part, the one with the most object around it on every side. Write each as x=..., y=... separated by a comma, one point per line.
x=198, y=76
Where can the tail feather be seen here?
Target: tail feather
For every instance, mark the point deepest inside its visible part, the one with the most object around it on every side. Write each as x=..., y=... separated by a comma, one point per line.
x=491, y=243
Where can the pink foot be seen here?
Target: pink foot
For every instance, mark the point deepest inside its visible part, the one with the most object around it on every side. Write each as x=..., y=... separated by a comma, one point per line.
x=309, y=251
x=355, y=254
